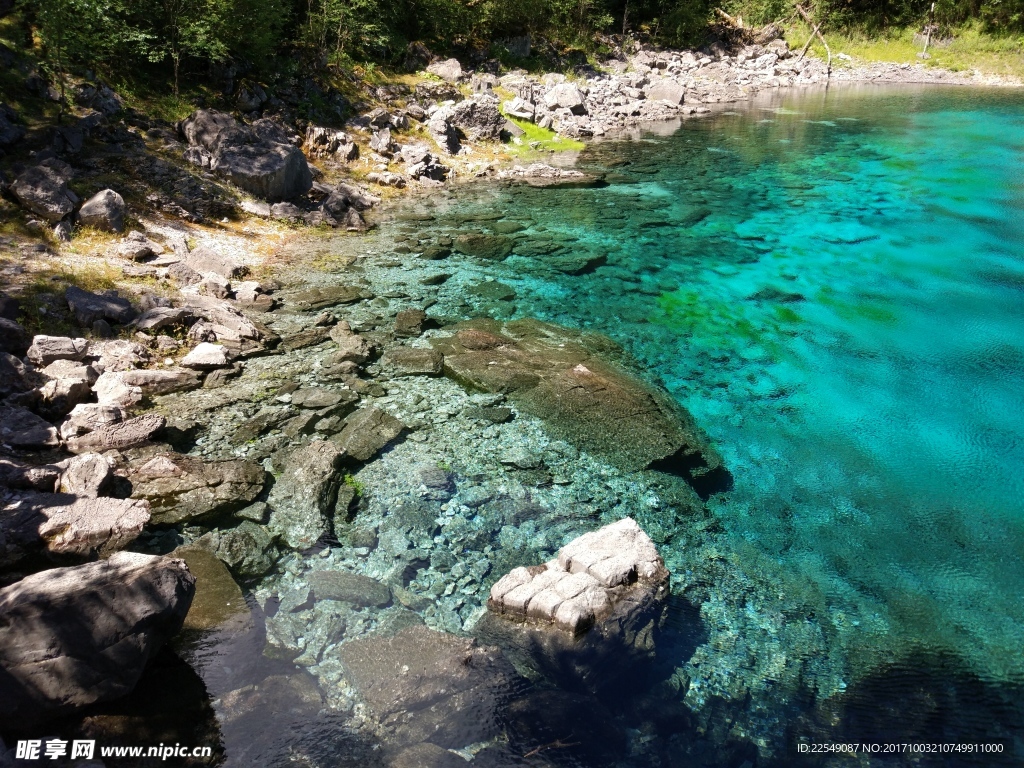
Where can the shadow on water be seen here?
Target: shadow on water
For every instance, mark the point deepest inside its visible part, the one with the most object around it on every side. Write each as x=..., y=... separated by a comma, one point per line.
x=608, y=701
x=928, y=698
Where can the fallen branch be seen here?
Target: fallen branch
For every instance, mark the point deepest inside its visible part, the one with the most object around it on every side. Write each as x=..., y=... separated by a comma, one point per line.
x=729, y=18
x=557, y=744
x=817, y=31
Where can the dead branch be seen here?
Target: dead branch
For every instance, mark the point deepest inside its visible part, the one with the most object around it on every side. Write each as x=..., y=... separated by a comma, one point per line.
x=729, y=18
x=817, y=31
x=557, y=744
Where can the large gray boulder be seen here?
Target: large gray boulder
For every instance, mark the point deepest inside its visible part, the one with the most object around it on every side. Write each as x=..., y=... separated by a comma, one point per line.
x=70, y=637
x=182, y=488
x=443, y=131
x=60, y=525
x=478, y=119
x=257, y=158
x=43, y=190
x=20, y=428
x=105, y=211
x=302, y=501
x=89, y=307
x=666, y=90
x=566, y=96
x=448, y=69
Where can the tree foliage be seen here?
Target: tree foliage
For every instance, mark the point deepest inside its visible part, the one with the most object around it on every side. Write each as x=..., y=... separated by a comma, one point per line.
x=172, y=36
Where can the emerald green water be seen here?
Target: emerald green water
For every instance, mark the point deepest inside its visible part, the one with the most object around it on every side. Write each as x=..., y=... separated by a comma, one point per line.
x=833, y=284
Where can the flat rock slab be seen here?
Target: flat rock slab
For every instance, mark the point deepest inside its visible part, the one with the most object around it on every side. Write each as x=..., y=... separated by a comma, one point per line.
x=70, y=637
x=413, y=361
x=321, y=298
x=181, y=488
x=58, y=525
x=119, y=435
x=303, y=498
x=318, y=397
x=486, y=247
x=583, y=585
x=48, y=349
x=20, y=428
x=569, y=380
x=367, y=432
x=425, y=685
x=349, y=588
x=126, y=388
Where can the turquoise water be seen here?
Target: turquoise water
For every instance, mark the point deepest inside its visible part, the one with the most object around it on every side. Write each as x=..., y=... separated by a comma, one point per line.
x=833, y=284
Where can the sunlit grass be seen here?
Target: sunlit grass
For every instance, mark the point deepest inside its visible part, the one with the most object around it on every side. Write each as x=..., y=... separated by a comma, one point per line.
x=969, y=49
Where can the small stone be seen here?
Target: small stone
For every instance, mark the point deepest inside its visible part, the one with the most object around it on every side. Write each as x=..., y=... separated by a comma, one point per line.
x=349, y=588
x=206, y=356
x=409, y=322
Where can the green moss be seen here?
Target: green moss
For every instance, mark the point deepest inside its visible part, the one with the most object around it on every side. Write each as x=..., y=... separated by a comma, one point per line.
x=535, y=138
x=355, y=484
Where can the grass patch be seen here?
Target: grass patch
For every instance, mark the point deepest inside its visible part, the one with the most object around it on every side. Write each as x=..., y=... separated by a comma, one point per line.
x=969, y=48
x=537, y=139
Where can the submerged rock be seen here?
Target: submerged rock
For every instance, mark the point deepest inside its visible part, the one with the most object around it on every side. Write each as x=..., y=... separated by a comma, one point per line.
x=426, y=686
x=368, y=431
x=565, y=378
x=349, y=587
x=76, y=636
x=218, y=600
x=302, y=501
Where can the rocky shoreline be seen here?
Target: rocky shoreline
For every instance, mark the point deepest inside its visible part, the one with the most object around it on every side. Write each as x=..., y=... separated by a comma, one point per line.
x=367, y=467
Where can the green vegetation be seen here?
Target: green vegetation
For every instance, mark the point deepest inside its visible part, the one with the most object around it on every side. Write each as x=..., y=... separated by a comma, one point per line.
x=535, y=138
x=355, y=484
x=165, y=56
x=968, y=47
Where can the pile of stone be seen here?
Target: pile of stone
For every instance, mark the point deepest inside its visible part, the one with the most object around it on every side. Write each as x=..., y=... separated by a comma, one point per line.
x=43, y=191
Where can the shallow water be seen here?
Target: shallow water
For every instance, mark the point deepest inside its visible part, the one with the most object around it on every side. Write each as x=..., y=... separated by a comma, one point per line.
x=832, y=284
